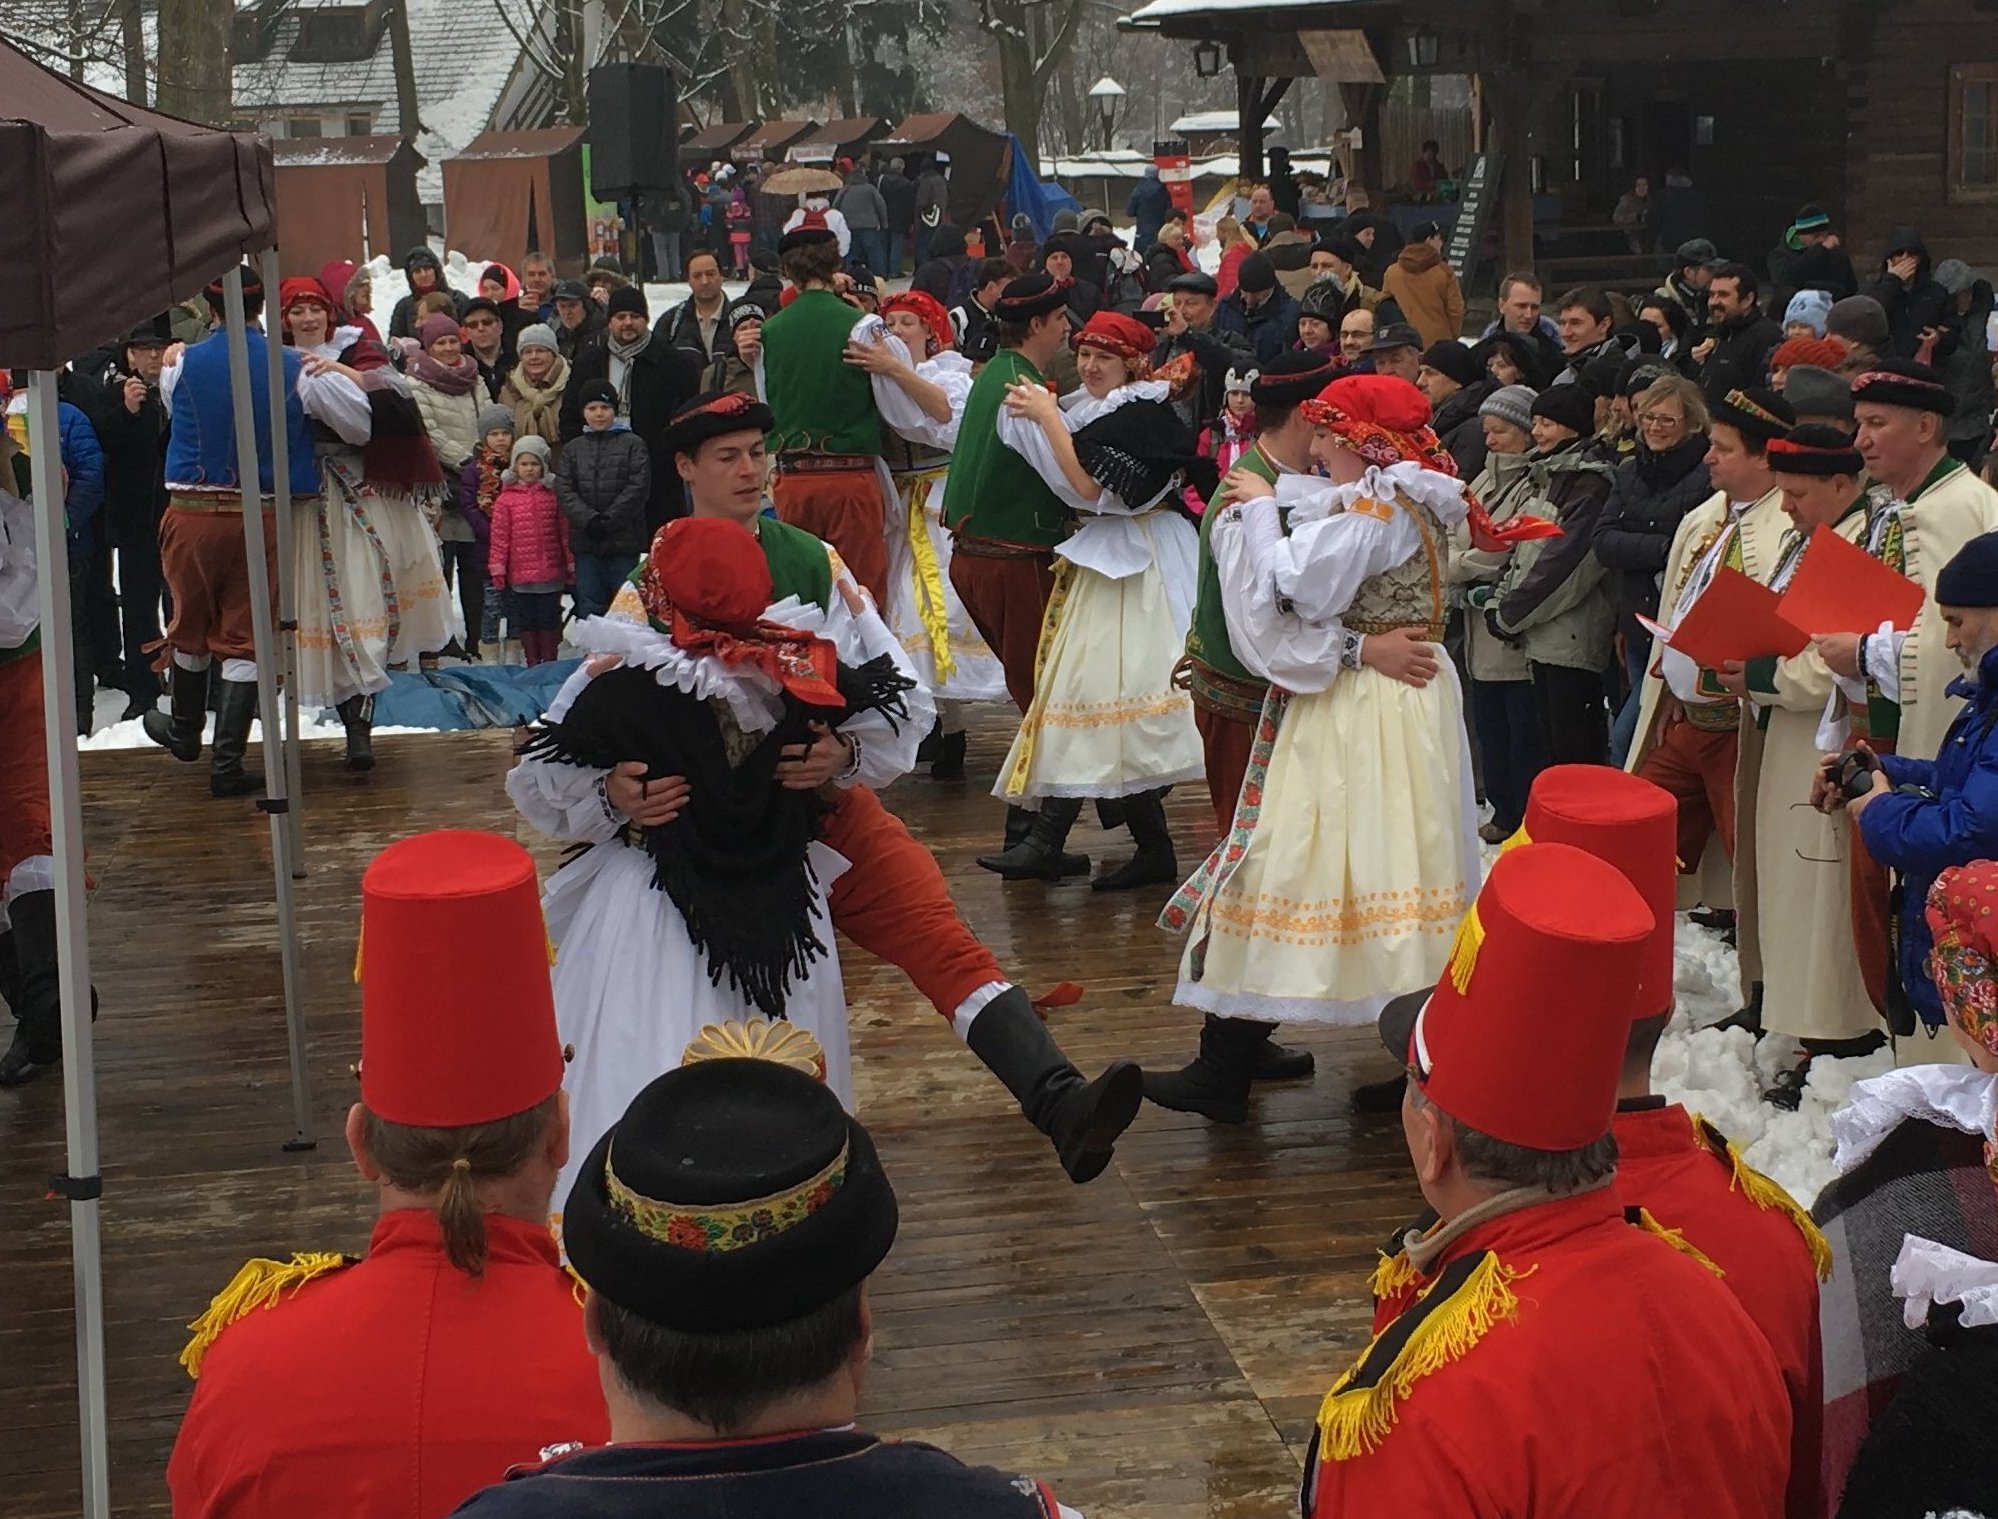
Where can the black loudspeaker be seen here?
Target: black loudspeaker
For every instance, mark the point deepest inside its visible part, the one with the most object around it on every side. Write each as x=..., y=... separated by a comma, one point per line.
x=634, y=136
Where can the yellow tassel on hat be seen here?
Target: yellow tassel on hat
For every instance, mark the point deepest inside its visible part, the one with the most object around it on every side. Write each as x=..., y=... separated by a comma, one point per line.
x=1464, y=950
x=258, y=1285
x=1676, y=1238
x=1393, y=1276
x=1354, y=1420
x=1765, y=1192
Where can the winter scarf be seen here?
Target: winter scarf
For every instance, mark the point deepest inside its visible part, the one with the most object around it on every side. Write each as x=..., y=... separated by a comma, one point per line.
x=628, y=353
x=1663, y=470
x=537, y=409
x=457, y=380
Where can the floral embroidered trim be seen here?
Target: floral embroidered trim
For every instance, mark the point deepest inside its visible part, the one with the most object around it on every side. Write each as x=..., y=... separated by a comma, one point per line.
x=706, y=1227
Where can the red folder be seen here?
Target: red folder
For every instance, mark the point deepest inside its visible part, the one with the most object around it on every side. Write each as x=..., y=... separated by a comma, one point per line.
x=1736, y=619
x=1840, y=588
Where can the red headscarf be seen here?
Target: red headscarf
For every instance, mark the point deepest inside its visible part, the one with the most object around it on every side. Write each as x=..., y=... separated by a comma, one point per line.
x=1385, y=420
x=706, y=583
x=1962, y=910
x=928, y=310
x=1123, y=337
x=301, y=290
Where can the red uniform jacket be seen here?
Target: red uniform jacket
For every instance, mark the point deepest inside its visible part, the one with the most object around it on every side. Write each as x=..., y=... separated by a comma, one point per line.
x=1618, y=1377
x=1665, y=1168
x=393, y=1389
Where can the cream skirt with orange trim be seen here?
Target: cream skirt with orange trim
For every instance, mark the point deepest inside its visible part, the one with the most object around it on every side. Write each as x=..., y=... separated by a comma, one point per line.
x=1353, y=854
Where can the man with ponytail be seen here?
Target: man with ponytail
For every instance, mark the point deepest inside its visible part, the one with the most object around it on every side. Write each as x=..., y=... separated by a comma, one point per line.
x=395, y=1385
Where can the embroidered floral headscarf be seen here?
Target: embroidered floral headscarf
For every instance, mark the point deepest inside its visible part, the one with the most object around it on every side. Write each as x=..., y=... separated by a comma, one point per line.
x=1963, y=918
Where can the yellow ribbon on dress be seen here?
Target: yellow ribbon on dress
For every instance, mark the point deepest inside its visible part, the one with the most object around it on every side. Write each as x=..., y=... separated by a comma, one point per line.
x=931, y=605
x=1031, y=721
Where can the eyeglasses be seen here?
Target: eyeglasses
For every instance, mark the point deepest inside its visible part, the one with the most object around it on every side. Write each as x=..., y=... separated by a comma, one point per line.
x=1661, y=419
x=481, y=324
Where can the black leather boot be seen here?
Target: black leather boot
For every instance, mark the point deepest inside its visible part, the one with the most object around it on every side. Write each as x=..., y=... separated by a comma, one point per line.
x=1154, y=864
x=1082, y=1117
x=235, y=706
x=1216, y=1084
x=178, y=730
x=357, y=716
x=1110, y=813
x=1749, y=1017
x=1039, y=856
x=34, y=990
x=949, y=762
x=1282, y=1062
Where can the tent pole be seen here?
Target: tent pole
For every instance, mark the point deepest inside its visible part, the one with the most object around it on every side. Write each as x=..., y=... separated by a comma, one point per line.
x=287, y=607
x=82, y=1185
x=274, y=801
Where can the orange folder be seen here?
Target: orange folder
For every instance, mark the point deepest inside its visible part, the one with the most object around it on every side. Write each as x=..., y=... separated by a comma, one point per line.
x=1840, y=588
x=1735, y=619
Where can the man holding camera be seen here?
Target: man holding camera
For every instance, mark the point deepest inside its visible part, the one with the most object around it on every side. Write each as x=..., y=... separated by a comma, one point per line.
x=1926, y=507
x=1920, y=816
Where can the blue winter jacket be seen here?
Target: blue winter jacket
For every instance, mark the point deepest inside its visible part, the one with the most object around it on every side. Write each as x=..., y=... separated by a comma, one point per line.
x=83, y=463
x=1952, y=819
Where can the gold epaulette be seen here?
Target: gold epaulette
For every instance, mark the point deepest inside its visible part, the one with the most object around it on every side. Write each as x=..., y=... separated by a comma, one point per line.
x=1394, y=1275
x=258, y=1285
x=1676, y=1238
x=1767, y=1193
x=1453, y=1314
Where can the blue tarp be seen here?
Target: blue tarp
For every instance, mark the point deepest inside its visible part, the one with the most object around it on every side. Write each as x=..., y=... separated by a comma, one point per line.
x=1027, y=196
x=458, y=697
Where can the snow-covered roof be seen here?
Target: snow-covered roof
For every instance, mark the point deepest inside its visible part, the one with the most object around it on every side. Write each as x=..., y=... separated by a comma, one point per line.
x=463, y=58
x=1127, y=163
x=1214, y=123
x=1172, y=10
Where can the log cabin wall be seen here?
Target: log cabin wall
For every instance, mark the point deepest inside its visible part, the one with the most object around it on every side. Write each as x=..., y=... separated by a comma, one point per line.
x=1901, y=107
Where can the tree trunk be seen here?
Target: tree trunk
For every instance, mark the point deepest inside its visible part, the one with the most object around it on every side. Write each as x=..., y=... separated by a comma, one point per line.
x=1025, y=72
x=408, y=114
x=194, y=60
x=132, y=40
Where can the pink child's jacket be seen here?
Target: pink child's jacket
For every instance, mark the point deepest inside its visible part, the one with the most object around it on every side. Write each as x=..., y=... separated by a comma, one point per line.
x=530, y=540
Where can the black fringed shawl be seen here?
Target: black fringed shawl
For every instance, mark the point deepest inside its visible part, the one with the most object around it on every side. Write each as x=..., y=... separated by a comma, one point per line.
x=1136, y=450
x=734, y=862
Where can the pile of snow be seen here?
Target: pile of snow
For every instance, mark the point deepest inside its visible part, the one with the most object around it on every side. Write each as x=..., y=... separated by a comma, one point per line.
x=461, y=273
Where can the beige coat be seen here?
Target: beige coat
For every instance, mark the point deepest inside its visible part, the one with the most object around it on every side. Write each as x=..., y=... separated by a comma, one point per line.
x=451, y=421
x=1798, y=873
x=1426, y=289
x=1505, y=486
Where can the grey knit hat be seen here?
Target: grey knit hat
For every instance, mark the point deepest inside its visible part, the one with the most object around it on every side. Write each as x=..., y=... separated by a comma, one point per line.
x=529, y=445
x=494, y=416
x=1858, y=319
x=536, y=335
x=1510, y=403
x=1815, y=392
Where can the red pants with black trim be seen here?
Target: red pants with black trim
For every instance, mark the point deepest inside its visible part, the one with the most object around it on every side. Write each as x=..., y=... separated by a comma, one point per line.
x=893, y=903
x=1225, y=740
x=1697, y=767
x=846, y=509
x=206, y=566
x=1007, y=599
x=25, y=828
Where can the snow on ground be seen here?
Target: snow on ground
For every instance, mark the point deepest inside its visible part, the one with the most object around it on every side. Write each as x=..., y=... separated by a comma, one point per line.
x=1722, y=1073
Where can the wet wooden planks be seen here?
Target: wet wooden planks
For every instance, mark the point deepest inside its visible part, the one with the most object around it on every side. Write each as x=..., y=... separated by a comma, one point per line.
x=1155, y=1343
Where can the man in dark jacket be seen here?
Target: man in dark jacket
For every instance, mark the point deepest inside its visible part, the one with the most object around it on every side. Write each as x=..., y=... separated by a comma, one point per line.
x=132, y=425
x=1260, y=309
x=650, y=379
x=1735, y=354
x=1967, y=367
x=1456, y=384
x=1810, y=258
x=972, y=319
x=1913, y=298
x=425, y=274
x=1167, y=255
x=1686, y=286
x=938, y=271
x=696, y=323
x=1215, y=350
x=899, y=192
x=579, y=321
x=932, y=212
x=1150, y=204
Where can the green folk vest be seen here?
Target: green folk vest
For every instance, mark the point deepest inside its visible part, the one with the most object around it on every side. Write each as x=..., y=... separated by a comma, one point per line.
x=992, y=491
x=823, y=404
x=1207, y=636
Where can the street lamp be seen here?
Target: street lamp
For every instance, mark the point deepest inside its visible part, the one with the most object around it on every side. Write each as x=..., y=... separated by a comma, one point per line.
x=1423, y=47
x=1207, y=59
x=1109, y=96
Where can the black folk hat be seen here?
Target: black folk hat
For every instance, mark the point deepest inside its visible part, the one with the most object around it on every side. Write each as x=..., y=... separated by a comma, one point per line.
x=732, y=1194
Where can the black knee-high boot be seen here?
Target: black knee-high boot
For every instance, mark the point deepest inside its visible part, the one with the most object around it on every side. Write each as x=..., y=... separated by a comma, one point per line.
x=1083, y=1118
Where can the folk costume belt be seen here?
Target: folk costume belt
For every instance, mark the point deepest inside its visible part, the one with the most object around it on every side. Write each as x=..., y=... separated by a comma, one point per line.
x=1237, y=700
x=825, y=464
x=999, y=548
x=1432, y=632
x=1713, y=717
x=212, y=502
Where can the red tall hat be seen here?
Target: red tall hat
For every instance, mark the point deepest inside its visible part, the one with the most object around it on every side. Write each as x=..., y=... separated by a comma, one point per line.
x=1523, y=1037
x=1631, y=824
x=457, y=1013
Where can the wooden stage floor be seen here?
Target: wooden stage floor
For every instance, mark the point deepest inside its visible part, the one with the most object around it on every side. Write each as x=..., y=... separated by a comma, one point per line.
x=1155, y=1343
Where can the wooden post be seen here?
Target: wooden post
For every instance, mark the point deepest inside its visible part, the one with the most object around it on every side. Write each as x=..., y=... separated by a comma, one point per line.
x=1249, y=141
x=1511, y=138
x=1366, y=165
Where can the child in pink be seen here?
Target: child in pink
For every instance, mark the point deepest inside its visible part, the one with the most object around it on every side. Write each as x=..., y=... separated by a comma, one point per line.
x=530, y=550
x=1230, y=435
